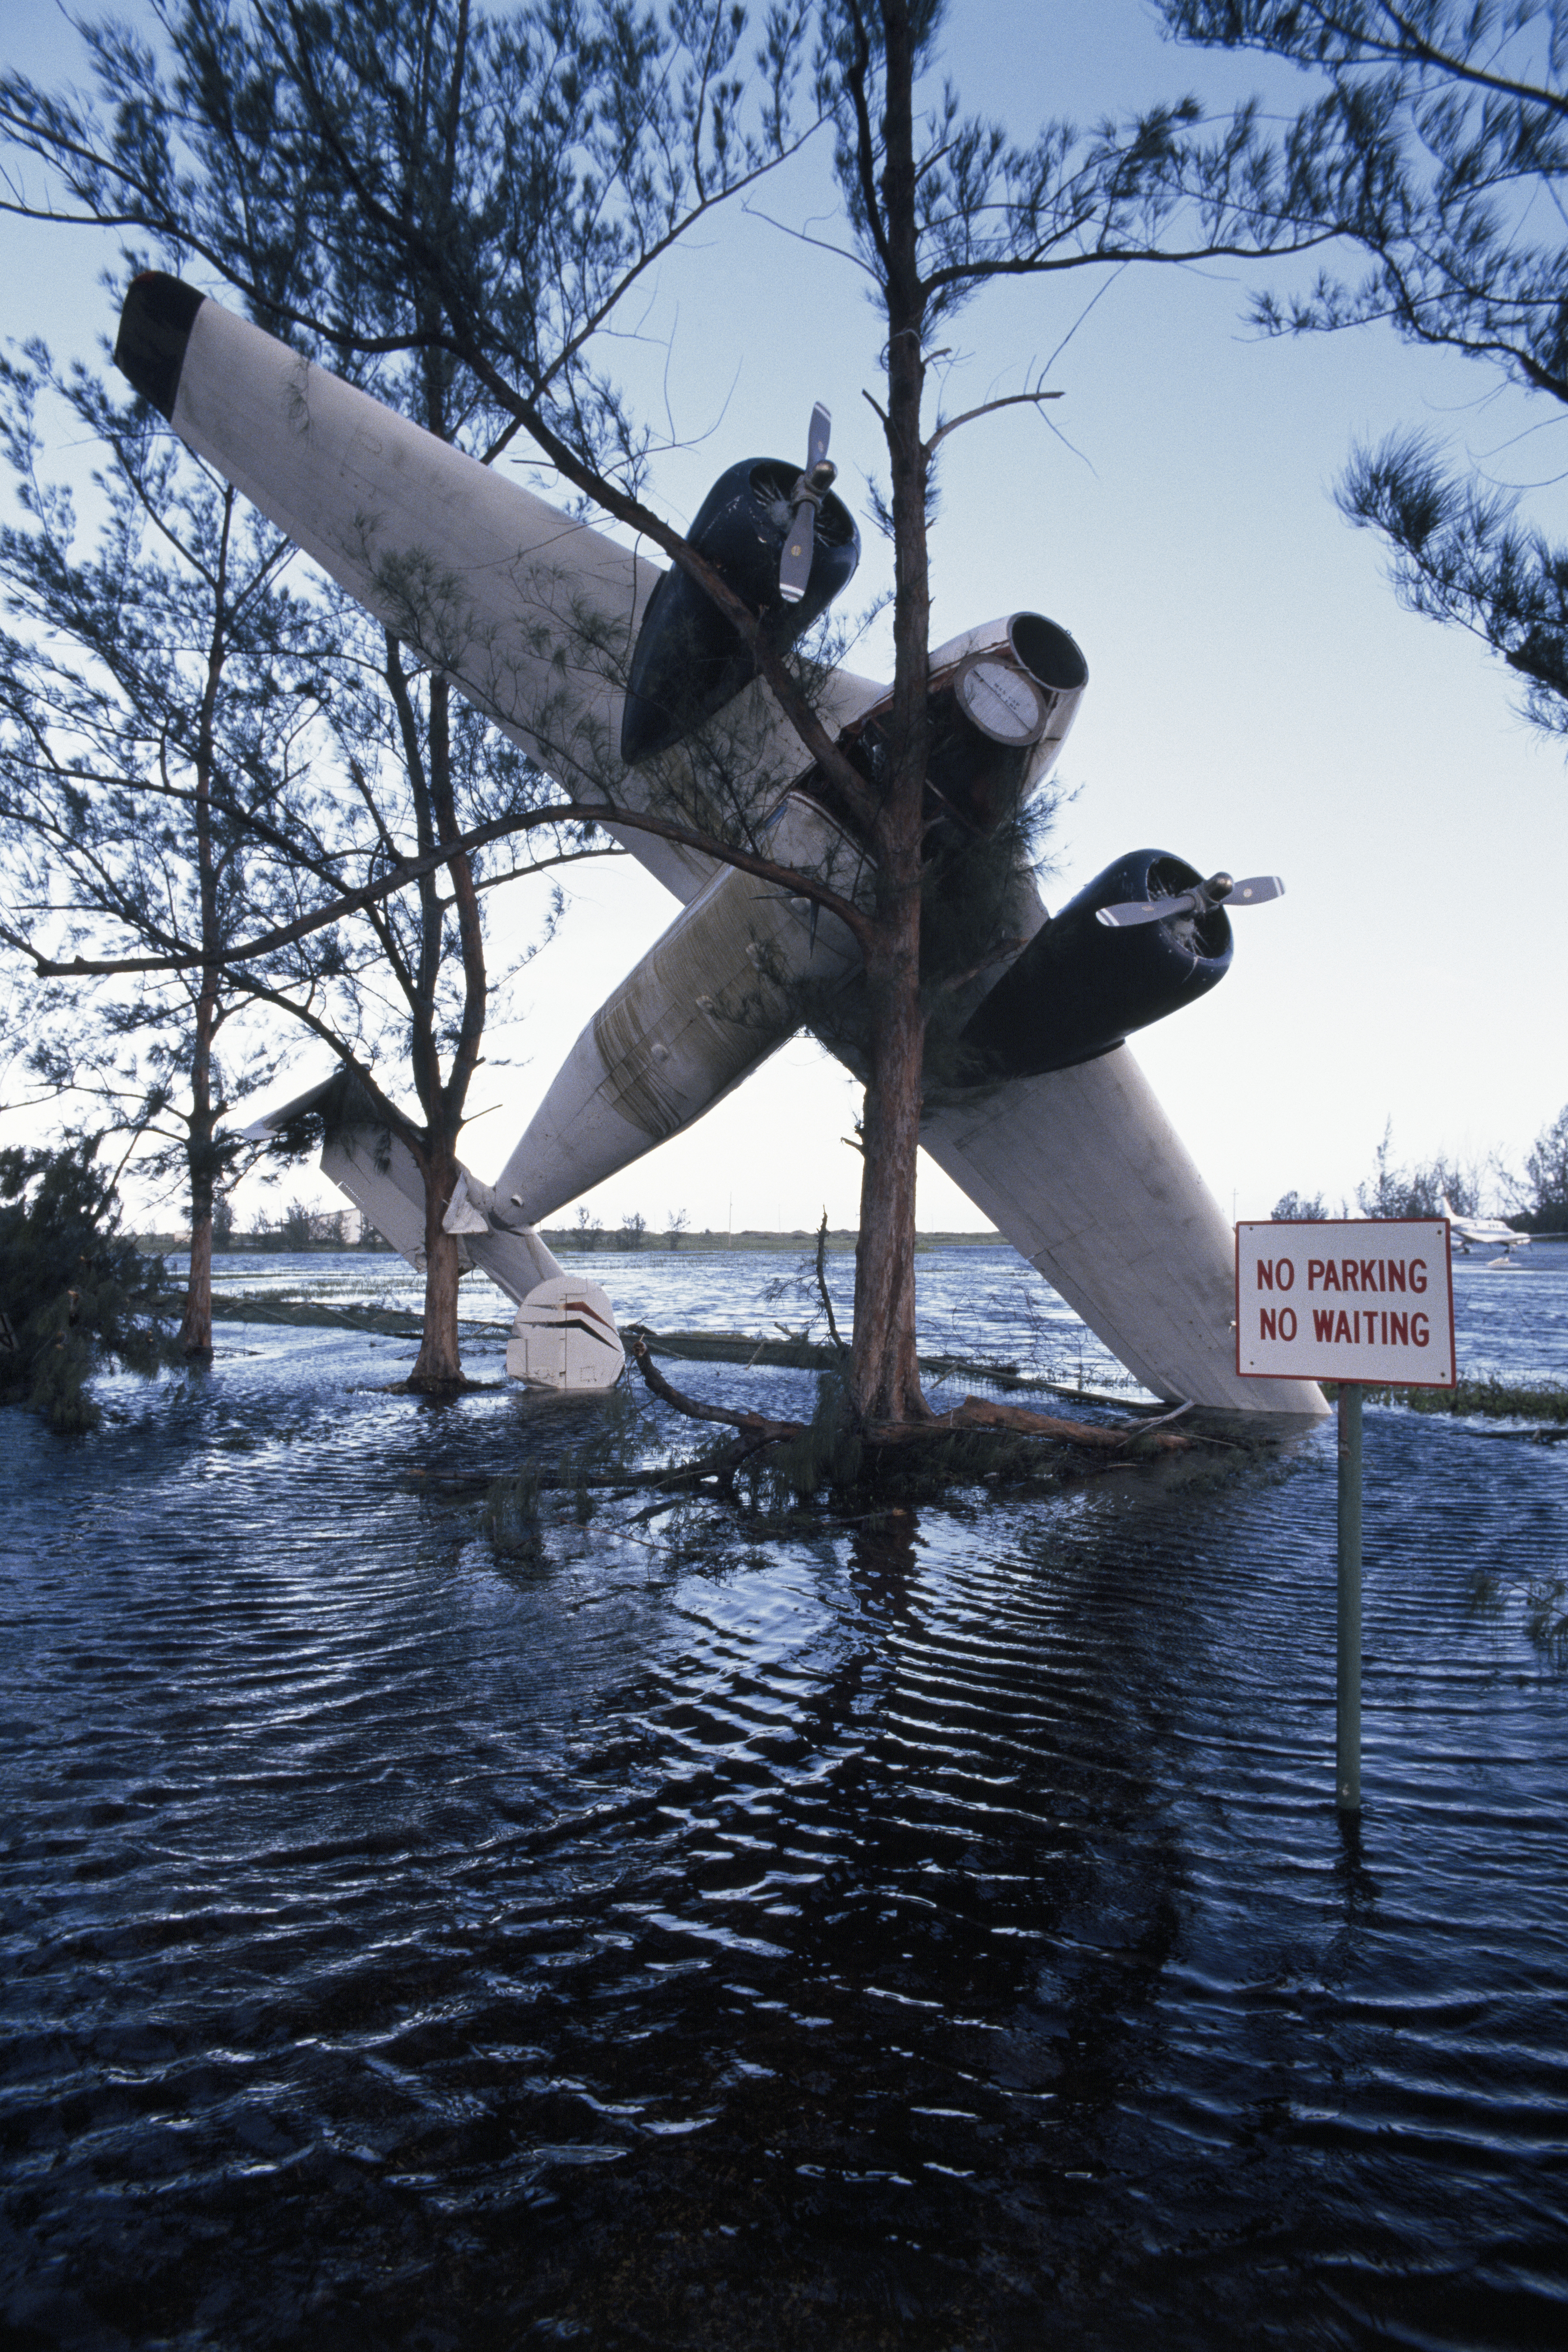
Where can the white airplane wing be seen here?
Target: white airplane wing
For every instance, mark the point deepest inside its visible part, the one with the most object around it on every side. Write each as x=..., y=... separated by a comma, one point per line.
x=1085, y=1175
x=530, y=614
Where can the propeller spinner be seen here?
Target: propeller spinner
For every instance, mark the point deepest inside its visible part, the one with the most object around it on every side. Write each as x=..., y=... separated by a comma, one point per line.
x=811, y=487
x=1219, y=891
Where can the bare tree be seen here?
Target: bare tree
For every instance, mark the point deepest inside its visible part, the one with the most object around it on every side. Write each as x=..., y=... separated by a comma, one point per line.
x=372, y=911
x=145, y=717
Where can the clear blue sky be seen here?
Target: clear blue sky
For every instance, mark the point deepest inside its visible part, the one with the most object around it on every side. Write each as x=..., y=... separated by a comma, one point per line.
x=1257, y=700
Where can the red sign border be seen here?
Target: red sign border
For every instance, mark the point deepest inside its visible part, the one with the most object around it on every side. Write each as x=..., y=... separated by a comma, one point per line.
x=1374, y=1224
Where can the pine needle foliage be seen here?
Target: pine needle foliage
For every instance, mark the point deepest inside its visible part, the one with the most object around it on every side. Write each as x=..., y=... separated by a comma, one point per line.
x=75, y=1294
x=1437, y=144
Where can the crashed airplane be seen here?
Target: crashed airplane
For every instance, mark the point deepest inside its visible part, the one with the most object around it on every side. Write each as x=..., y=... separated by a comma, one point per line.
x=626, y=686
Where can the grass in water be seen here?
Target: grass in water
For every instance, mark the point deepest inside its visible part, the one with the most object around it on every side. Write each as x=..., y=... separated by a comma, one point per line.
x=1545, y=1603
x=1495, y=1400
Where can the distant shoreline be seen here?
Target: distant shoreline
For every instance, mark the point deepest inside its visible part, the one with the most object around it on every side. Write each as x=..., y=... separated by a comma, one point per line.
x=567, y=1239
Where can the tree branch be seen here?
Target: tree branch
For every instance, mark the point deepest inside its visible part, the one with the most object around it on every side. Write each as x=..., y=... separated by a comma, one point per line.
x=412, y=870
x=987, y=408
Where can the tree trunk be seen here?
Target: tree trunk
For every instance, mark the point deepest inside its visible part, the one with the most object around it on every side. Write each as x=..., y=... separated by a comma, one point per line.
x=196, y=1327
x=885, y=1385
x=884, y=1370
x=439, y=1368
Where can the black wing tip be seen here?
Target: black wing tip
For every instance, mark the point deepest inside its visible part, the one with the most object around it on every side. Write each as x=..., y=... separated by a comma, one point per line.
x=155, y=329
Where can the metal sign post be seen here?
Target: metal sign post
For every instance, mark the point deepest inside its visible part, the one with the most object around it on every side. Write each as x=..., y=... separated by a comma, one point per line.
x=1356, y=1301
x=1347, y=1685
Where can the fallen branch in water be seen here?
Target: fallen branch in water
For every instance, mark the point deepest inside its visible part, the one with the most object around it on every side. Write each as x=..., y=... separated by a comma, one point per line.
x=975, y=1413
x=986, y=1412
x=754, y=1426
x=797, y=1353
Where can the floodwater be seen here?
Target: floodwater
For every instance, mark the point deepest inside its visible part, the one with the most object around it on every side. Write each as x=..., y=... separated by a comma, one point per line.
x=933, y=1931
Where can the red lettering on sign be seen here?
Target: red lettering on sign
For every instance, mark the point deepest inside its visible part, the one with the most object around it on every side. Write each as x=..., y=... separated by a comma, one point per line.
x=1349, y=1305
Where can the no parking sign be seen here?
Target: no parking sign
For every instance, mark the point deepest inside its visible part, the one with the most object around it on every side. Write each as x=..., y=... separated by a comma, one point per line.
x=1367, y=1304
x=1359, y=1299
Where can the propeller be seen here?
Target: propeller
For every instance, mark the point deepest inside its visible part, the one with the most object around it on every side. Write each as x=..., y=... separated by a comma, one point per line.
x=1219, y=891
x=811, y=487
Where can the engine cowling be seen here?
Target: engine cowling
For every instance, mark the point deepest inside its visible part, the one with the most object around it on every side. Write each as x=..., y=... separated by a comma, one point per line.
x=1080, y=988
x=1002, y=699
x=689, y=661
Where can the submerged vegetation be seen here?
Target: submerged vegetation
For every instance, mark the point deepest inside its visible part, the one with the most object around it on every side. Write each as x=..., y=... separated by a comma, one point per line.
x=1544, y=1600
x=773, y=1477
x=1492, y=1399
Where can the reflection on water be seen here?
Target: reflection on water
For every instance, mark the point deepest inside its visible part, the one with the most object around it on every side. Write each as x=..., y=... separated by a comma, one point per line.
x=935, y=1931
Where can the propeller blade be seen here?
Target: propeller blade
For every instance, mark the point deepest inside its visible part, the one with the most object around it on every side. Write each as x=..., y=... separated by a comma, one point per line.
x=1146, y=910
x=1219, y=891
x=794, y=563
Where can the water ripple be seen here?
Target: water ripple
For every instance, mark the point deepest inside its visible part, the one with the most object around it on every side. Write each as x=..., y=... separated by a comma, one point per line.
x=937, y=1932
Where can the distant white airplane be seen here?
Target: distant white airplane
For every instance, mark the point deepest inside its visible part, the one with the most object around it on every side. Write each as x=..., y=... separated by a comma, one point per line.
x=1485, y=1232
x=625, y=684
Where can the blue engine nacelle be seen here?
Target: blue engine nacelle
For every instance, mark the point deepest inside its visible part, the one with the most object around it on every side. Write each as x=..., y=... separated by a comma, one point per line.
x=1079, y=988
x=689, y=661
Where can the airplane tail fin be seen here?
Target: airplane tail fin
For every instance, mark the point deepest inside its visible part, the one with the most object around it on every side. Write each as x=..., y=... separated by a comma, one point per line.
x=564, y=1335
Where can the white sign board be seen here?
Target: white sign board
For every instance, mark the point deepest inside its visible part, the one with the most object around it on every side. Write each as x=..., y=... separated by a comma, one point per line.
x=1360, y=1300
